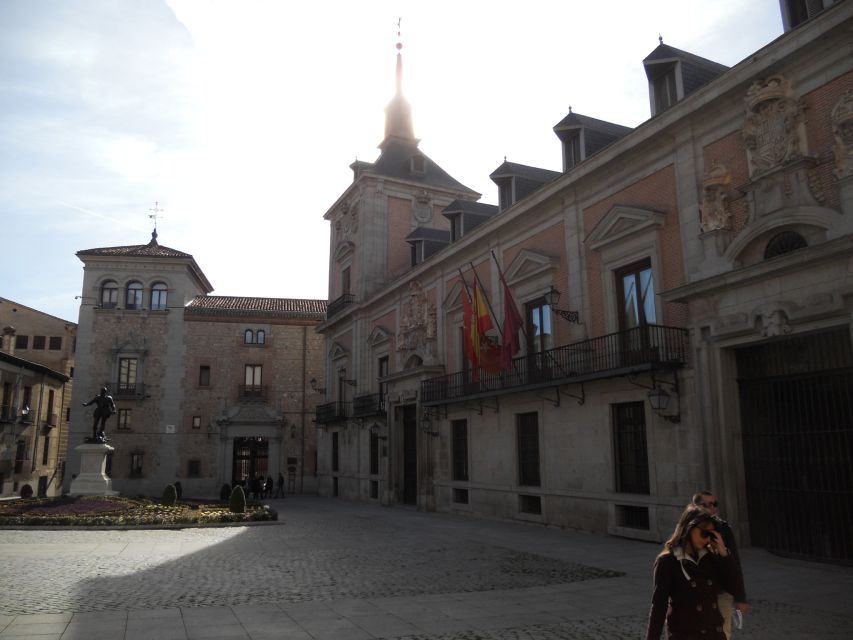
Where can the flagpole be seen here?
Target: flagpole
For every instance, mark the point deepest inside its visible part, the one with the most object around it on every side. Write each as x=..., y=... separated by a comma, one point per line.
x=503, y=280
x=488, y=302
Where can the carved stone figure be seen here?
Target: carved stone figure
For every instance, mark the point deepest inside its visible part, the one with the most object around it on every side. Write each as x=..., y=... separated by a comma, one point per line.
x=775, y=323
x=842, y=128
x=715, y=209
x=773, y=131
x=104, y=408
x=418, y=323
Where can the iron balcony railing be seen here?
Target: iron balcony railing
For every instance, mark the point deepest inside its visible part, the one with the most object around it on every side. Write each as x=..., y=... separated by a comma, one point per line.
x=371, y=404
x=251, y=391
x=339, y=304
x=129, y=389
x=332, y=412
x=638, y=349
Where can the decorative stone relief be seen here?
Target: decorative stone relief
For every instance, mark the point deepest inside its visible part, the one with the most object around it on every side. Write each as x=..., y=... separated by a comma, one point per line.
x=715, y=207
x=422, y=207
x=418, y=322
x=774, y=131
x=775, y=323
x=842, y=128
x=346, y=224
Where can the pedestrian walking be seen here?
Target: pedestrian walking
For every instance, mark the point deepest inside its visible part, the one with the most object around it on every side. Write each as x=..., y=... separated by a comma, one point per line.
x=268, y=487
x=736, y=598
x=687, y=575
x=280, y=489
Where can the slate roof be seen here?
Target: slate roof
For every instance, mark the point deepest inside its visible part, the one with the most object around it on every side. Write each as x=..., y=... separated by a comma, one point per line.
x=467, y=206
x=395, y=162
x=578, y=120
x=250, y=306
x=664, y=52
x=513, y=169
x=424, y=233
x=150, y=250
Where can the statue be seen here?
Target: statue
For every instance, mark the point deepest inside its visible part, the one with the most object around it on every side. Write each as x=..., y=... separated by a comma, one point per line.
x=104, y=408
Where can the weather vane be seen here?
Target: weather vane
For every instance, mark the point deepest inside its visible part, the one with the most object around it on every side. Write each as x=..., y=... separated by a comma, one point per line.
x=156, y=215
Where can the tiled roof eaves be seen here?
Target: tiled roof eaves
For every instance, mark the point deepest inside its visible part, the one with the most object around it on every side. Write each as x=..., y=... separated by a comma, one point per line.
x=191, y=312
x=34, y=366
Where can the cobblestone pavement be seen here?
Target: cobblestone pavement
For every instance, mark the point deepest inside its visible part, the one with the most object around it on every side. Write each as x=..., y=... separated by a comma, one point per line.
x=332, y=569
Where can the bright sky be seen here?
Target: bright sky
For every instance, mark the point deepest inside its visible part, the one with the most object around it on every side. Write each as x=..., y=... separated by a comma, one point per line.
x=241, y=117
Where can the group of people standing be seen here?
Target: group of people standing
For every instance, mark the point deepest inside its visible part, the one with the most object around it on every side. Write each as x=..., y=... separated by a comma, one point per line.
x=698, y=581
x=259, y=488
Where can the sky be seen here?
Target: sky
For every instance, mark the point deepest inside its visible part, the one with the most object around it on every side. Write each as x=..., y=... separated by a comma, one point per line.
x=240, y=118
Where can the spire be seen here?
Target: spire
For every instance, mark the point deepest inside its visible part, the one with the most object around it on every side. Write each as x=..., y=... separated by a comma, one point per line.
x=398, y=113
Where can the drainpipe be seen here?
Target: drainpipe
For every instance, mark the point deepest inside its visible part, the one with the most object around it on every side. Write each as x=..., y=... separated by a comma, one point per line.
x=302, y=420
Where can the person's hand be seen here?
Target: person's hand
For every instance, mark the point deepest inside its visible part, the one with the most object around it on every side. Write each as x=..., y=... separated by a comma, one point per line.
x=717, y=545
x=743, y=607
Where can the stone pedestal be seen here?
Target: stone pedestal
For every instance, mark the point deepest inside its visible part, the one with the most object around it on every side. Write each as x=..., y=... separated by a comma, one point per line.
x=92, y=479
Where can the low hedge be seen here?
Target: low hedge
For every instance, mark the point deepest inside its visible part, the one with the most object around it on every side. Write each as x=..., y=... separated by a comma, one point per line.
x=95, y=511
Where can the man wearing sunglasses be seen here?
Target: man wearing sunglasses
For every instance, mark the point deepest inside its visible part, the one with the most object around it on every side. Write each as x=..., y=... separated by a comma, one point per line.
x=708, y=502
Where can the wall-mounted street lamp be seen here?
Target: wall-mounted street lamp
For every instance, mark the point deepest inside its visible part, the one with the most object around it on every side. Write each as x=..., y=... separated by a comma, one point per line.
x=552, y=298
x=315, y=388
x=375, y=429
x=342, y=374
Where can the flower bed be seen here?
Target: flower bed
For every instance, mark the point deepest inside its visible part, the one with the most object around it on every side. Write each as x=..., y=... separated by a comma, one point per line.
x=93, y=511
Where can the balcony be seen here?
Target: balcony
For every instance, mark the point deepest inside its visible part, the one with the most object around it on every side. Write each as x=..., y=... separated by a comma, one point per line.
x=339, y=304
x=332, y=412
x=371, y=404
x=129, y=390
x=252, y=392
x=645, y=348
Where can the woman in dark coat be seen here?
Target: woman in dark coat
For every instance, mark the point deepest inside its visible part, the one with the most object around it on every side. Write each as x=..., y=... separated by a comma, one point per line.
x=688, y=574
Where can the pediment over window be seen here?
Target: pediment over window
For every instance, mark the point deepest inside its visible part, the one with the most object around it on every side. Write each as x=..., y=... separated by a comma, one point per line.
x=530, y=264
x=344, y=250
x=378, y=336
x=338, y=351
x=621, y=223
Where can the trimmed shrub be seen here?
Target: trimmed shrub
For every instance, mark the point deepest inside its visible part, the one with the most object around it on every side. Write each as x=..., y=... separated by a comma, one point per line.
x=237, y=501
x=26, y=492
x=170, y=495
x=179, y=489
x=225, y=492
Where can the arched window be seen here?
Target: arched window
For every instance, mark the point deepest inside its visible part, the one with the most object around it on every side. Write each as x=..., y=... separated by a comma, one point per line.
x=261, y=336
x=249, y=337
x=783, y=243
x=159, y=294
x=109, y=294
x=134, y=296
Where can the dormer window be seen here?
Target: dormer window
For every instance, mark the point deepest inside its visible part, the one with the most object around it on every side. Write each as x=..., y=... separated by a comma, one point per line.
x=505, y=194
x=456, y=227
x=664, y=89
x=417, y=253
x=572, y=151
x=419, y=164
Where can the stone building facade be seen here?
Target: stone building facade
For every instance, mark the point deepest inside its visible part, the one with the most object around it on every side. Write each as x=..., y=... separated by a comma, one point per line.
x=702, y=337
x=208, y=389
x=37, y=368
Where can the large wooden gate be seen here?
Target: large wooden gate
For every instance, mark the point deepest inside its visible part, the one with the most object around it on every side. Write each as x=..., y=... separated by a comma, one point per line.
x=796, y=400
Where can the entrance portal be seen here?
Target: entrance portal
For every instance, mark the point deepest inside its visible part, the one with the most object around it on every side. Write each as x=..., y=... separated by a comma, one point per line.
x=250, y=459
x=410, y=454
x=796, y=400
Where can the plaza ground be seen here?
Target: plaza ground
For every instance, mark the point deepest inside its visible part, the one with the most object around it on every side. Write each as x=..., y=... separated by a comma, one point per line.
x=331, y=569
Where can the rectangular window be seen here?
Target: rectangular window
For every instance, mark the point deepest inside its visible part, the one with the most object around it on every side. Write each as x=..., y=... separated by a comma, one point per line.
x=127, y=368
x=456, y=227
x=39, y=342
x=136, y=465
x=7, y=402
x=55, y=343
x=636, y=290
x=630, y=457
x=28, y=401
x=539, y=334
x=22, y=342
x=45, y=455
x=527, y=427
x=123, y=416
x=254, y=375
x=374, y=489
x=572, y=150
x=530, y=504
x=664, y=90
x=382, y=372
x=460, y=450
x=204, y=376
x=335, y=452
x=51, y=419
x=345, y=281
x=460, y=496
x=20, y=455
x=196, y=422
x=374, y=454
x=193, y=468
